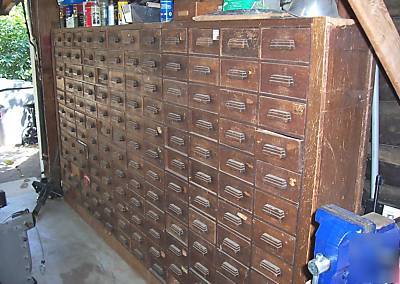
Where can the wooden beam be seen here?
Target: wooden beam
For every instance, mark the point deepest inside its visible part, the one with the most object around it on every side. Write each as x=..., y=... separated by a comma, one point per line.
x=382, y=33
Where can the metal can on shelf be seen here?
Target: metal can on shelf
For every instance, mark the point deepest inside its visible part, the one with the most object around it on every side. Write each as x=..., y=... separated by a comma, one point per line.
x=95, y=14
x=166, y=11
x=88, y=13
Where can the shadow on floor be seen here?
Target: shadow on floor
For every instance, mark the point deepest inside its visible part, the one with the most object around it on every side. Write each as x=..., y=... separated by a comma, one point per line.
x=29, y=168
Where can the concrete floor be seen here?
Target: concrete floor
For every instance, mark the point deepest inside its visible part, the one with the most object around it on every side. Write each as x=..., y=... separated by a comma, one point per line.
x=74, y=254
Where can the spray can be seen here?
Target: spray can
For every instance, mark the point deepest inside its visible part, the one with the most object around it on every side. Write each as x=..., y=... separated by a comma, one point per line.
x=103, y=12
x=95, y=14
x=88, y=13
x=69, y=16
x=111, y=13
x=166, y=11
x=121, y=18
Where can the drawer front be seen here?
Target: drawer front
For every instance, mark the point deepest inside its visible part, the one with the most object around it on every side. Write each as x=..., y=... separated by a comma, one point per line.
x=237, y=164
x=176, y=116
x=286, y=44
x=119, y=137
x=88, y=57
x=102, y=95
x=176, y=186
x=153, y=132
x=115, y=59
x=235, y=191
x=117, y=118
x=130, y=39
x=175, y=66
x=153, y=109
x=99, y=39
x=89, y=91
x=234, y=245
x=150, y=39
x=274, y=240
x=239, y=106
x=235, y=218
x=239, y=74
x=60, y=68
x=132, y=61
x=204, y=97
x=69, y=114
x=177, y=140
x=134, y=105
x=280, y=150
x=134, y=128
x=177, y=164
x=150, y=64
x=135, y=146
x=202, y=225
x=117, y=100
x=240, y=42
x=103, y=113
x=281, y=115
x=60, y=96
x=91, y=126
x=102, y=77
x=117, y=80
x=203, y=175
x=133, y=83
x=177, y=253
x=204, y=150
x=276, y=211
x=175, y=92
x=200, y=249
x=105, y=129
x=155, y=176
x=204, y=70
x=153, y=154
x=136, y=184
x=177, y=230
x=80, y=119
x=177, y=207
x=232, y=269
x=100, y=58
x=80, y=104
x=76, y=56
x=203, y=200
x=284, y=80
x=60, y=82
x=271, y=266
x=151, y=87
x=78, y=39
x=174, y=40
x=204, y=123
x=154, y=216
x=237, y=135
x=135, y=163
x=204, y=41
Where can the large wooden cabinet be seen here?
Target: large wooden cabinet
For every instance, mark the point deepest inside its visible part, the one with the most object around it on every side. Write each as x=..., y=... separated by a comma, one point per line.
x=205, y=148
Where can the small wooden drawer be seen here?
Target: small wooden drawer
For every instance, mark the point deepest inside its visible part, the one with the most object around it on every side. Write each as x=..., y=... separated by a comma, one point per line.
x=100, y=58
x=204, y=97
x=177, y=252
x=274, y=240
x=276, y=211
x=91, y=126
x=136, y=184
x=77, y=72
x=78, y=40
x=130, y=39
x=80, y=104
x=80, y=119
x=66, y=55
x=134, y=127
x=203, y=175
x=133, y=84
x=153, y=154
x=232, y=269
x=286, y=44
x=134, y=105
x=105, y=129
x=151, y=87
x=119, y=137
x=76, y=56
x=154, y=215
x=117, y=118
x=239, y=106
x=237, y=164
x=150, y=39
x=81, y=134
x=177, y=164
x=240, y=42
x=155, y=176
x=62, y=112
x=153, y=109
x=175, y=186
x=176, y=116
x=237, y=135
x=60, y=82
x=117, y=80
x=201, y=272
x=204, y=70
x=235, y=218
x=204, y=124
x=177, y=207
x=155, y=234
x=69, y=114
x=175, y=66
x=177, y=230
x=204, y=41
x=150, y=64
x=203, y=200
x=59, y=54
x=89, y=91
x=115, y=59
x=60, y=68
x=134, y=146
x=88, y=57
x=175, y=92
x=99, y=39
x=243, y=75
x=135, y=162
x=235, y=191
x=132, y=61
x=103, y=112
x=283, y=116
x=284, y=80
x=89, y=74
x=177, y=140
x=204, y=151
x=138, y=238
x=102, y=95
x=60, y=96
x=200, y=249
x=174, y=40
x=102, y=77
x=59, y=38
x=117, y=100
x=153, y=132
x=271, y=266
x=138, y=221
x=202, y=225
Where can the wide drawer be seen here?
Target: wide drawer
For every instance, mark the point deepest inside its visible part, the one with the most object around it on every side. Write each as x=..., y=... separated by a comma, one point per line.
x=203, y=175
x=204, y=151
x=234, y=245
x=237, y=135
x=177, y=140
x=175, y=92
x=202, y=225
x=175, y=66
x=239, y=74
x=232, y=269
x=204, y=41
x=235, y=191
x=236, y=163
x=204, y=124
x=240, y=42
x=174, y=40
x=239, y=106
x=204, y=70
x=204, y=97
x=203, y=200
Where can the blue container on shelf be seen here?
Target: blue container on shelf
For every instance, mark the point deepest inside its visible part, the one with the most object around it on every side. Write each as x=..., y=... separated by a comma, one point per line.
x=167, y=10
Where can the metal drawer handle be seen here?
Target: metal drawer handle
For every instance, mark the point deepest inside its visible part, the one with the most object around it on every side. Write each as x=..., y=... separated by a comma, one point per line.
x=172, y=40
x=281, y=80
x=233, y=219
x=239, y=43
x=280, y=114
x=174, y=187
x=151, y=131
x=136, y=219
x=238, y=74
x=177, y=140
x=236, y=165
x=134, y=145
x=121, y=208
x=272, y=268
x=175, y=229
x=235, y=135
x=174, y=117
x=134, y=183
x=202, y=98
x=175, y=269
x=107, y=211
x=152, y=154
x=282, y=44
x=138, y=254
x=149, y=64
x=154, y=234
x=150, y=40
x=133, y=124
x=231, y=245
x=202, y=201
x=132, y=61
x=230, y=269
x=200, y=226
x=240, y=106
x=270, y=240
x=119, y=173
x=132, y=83
x=269, y=149
x=158, y=269
x=133, y=104
x=178, y=164
x=150, y=88
x=173, y=66
x=202, y=152
x=203, y=177
x=274, y=211
x=236, y=193
x=153, y=175
x=153, y=109
x=176, y=209
x=275, y=181
x=200, y=248
x=152, y=215
x=136, y=202
x=203, y=70
x=202, y=269
x=102, y=58
x=174, y=92
x=204, y=41
x=154, y=252
x=137, y=237
x=204, y=124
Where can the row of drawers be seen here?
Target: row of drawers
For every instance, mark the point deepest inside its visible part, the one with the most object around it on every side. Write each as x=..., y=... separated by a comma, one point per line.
x=284, y=44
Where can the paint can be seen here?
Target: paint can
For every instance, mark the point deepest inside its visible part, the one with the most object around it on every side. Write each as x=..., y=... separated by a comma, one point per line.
x=166, y=11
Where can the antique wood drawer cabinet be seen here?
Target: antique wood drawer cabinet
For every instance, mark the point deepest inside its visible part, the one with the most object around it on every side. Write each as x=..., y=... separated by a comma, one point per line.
x=205, y=148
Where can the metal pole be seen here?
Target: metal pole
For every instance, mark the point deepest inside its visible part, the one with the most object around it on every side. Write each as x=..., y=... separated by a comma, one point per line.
x=375, y=134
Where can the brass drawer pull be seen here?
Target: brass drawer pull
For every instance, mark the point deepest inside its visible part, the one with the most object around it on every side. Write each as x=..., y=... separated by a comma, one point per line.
x=203, y=177
x=153, y=109
x=274, y=211
x=151, y=131
x=132, y=61
x=275, y=181
x=236, y=166
x=133, y=104
x=238, y=43
x=282, y=44
x=203, y=70
x=134, y=145
x=133, y=124
x=153, y=175
x=285, y=116
x=236, y=193
x=200, y=248
x=204, y=124
x=154, y=252
x=172, y=40
x=173, y=66
x=174, y=92
x=154, y=234
x=237, y=74
x=231, y=245
x=202, y=201
x=272, y=268
x=132, y=83
x=233, y=219
x=149, y=64
x=136, y=202
x=270, y=240
x=202, y=152
x=174, y=117
x=202, y=98
x=178, y=164
x=176, y=230
x=269, y=149
x=138, y=254
x=204, y=41
x=200, y=226
x=240, y=106
x=202, y=269
x=137, y=237
x=152, y=215
x=278, y=79
x=119, y=173
x=177, y=140
x=230, y=269
x=152, y=154
x=175, y=269
x=235, y=135
x=174, y=187
x=175, y=209
x=135, y=184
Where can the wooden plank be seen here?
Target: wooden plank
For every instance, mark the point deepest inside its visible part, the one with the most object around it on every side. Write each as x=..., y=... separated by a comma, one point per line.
x=260, y=16
x=381, y=31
